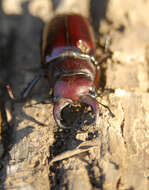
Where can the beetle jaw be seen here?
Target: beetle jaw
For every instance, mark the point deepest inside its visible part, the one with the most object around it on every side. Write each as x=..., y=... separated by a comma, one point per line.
x=64, y=102
x=58, y=107
x=73, y=90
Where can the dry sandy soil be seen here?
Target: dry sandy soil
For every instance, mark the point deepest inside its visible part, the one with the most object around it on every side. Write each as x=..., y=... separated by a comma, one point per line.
x=112, y=154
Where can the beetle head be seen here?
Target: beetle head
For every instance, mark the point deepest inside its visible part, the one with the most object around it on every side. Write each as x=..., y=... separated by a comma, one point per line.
x=73, y=89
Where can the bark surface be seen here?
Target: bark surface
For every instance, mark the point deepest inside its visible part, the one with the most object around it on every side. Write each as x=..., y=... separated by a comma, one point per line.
x=112, y=154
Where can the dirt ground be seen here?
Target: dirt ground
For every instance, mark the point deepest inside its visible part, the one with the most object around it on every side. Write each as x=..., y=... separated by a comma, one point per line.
x=112, y=154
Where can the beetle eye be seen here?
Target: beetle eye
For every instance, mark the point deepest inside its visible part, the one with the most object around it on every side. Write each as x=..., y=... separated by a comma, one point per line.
x=93, y=92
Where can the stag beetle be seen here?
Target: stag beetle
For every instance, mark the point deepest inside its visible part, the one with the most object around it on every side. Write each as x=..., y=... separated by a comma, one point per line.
x=68, y=49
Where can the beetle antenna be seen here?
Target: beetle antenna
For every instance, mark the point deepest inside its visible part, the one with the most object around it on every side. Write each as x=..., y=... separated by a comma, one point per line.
x=105, y=106
x=10, y=92
x=31, y=85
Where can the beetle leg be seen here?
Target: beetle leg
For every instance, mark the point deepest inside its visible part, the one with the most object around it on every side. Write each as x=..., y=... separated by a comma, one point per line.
x=1, y=143
x=31, y=85
x=10, y=92
x=107, y=53
x=3, y=119
x=104, y=57
x=107, y=44
x=27, y=90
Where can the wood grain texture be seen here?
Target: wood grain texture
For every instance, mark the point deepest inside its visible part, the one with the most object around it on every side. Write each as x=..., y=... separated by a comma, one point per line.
x=112, y=154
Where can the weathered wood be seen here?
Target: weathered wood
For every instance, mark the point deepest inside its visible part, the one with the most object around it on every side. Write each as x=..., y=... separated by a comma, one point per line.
x=112, y=154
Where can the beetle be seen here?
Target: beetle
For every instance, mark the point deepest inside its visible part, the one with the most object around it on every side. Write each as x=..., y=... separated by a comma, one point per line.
x=68, y=50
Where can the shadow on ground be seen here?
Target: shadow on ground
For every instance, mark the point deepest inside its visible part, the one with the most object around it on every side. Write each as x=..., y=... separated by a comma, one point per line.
x=20, y=38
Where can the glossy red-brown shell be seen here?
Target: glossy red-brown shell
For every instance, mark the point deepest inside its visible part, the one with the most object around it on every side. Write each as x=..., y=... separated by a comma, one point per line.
x=68, y=59
x=68, y=33
x=71, y=32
